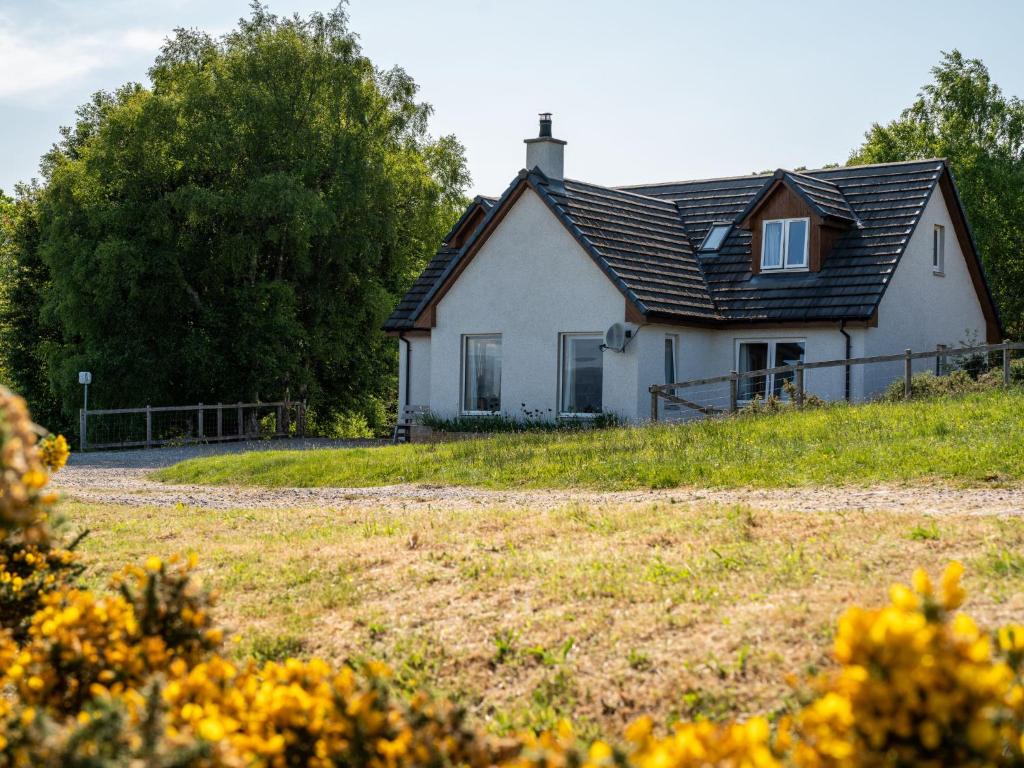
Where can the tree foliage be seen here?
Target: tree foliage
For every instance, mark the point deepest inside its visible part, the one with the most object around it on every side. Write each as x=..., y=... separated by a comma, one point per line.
x=24, y=330
x=965, y=117
x=242, y=227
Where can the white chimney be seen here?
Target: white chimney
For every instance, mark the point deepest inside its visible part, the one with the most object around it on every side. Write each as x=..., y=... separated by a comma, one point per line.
x=546, y=153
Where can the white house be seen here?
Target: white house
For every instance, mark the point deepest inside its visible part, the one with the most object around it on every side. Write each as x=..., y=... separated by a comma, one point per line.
x=709, y=276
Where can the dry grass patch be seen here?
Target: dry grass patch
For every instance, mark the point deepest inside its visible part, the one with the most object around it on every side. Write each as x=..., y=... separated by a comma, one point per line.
x=594, y=612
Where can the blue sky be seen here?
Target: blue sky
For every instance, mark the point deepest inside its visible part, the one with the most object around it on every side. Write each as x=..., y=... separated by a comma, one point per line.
x=642, y=90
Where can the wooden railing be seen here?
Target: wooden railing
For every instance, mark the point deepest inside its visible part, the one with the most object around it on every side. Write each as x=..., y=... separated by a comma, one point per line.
x=149, y=427
x=668, y=392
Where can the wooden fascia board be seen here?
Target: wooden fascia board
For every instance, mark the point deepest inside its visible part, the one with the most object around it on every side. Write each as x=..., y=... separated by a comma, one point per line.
x=599, y=261
x=993, y=325
x=767, y=196
x=427, y=318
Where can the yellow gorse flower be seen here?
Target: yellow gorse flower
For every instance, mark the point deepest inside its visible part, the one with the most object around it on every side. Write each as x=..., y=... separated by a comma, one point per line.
x=136, y=676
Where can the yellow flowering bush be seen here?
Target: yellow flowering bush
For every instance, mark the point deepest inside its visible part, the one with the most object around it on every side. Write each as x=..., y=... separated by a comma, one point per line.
x=135, y=676
x=917, y=684
x=31, y=561
x=54, y=452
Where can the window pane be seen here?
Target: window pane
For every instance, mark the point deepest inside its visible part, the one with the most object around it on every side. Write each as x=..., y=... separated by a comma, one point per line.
x=715, y=236
x=795, y=244
x=753, y=357
x=771, y=249
x=482, y=366
x=582, y=373
x=786, y=353
x=670, y=360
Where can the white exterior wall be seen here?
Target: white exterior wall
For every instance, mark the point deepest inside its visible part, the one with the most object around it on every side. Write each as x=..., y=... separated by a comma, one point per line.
x=705, y=353
x=920, y=309
x=530, y=281
x=419, y=387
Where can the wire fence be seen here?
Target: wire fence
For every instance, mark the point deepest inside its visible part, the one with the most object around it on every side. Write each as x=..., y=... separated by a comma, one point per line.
x=801, y=382
x=150, y=427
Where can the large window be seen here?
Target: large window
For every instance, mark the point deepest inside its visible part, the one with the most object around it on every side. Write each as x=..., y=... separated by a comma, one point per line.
x=481, y=374
x=784, y=244
x=939, y=249
x=758, y=355
x=582, y=373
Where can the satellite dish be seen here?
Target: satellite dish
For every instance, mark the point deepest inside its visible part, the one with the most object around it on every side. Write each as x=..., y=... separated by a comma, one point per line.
x=617, y=336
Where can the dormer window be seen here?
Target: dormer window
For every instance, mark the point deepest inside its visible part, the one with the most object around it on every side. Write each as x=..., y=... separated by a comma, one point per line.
x=715, y=237
x=784, y=244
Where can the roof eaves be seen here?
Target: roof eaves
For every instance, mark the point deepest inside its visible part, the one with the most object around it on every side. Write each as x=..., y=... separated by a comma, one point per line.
x=540, y=183
x=887, y=279
x=488, y=216
x=976, y=254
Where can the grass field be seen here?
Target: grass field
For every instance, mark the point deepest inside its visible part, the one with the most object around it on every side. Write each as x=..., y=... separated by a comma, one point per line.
x=595, y=612
x=973, y=439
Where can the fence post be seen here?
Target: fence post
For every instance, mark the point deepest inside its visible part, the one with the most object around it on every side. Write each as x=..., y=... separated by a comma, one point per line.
x=908, y=375
x=241, y=425
x=654, y=402
x=82, y=421
x=940, y=359
x=301, y=429
x=1006, y=362
x=799, y=385
x=149, y=426
x=200, y=431
x=734, y=382
x=220, y=420
x=278, y=420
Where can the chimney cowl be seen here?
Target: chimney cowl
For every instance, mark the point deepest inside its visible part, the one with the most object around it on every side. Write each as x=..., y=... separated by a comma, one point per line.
x=545, y=125
x=545, y=152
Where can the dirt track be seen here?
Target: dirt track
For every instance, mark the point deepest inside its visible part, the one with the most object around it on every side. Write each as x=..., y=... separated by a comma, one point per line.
x=122, y=478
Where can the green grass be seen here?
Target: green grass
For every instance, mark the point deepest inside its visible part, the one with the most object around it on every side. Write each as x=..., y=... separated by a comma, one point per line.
x=594, y=612
x=968, y=440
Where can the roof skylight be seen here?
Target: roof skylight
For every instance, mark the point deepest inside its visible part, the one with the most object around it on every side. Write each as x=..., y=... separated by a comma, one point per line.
x=715, y=237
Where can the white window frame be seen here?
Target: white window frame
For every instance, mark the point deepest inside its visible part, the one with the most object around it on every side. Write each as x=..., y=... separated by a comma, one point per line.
x=939, y=250
x=464, y=370
x=562, y=338
x=784, y=264
x=673, y=339
x=772, y=342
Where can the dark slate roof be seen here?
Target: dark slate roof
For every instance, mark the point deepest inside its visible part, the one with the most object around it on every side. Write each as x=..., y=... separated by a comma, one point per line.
x=644, y=238
x=887, y=201
x=642, y=242
x=822, y=195
x=403, y=315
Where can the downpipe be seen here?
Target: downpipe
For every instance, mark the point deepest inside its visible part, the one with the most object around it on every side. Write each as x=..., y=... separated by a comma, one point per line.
x=403, y=396
x=849, y=352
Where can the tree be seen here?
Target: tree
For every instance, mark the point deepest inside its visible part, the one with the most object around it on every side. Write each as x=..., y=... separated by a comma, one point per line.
x=242, y=228
x=24, y=331
x=963, y=116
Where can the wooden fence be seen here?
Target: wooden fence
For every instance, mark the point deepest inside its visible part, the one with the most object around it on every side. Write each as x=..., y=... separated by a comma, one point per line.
x=149, y=427
x=669, y=392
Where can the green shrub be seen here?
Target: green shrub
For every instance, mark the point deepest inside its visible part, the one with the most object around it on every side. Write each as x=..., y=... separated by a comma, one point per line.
x=532, y=421
x=928, y=385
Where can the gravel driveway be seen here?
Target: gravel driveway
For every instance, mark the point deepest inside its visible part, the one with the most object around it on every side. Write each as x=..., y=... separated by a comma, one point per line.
x=122, y=478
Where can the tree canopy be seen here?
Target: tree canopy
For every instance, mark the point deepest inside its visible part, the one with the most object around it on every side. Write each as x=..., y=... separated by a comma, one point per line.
x=965, y=117
x=240, y=228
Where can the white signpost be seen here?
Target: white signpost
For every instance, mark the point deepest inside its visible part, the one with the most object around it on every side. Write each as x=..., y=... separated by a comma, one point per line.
x=85, y=379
